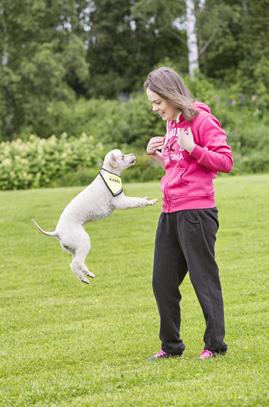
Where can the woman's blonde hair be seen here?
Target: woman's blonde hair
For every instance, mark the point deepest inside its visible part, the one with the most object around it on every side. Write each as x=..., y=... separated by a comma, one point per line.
x=170, y=86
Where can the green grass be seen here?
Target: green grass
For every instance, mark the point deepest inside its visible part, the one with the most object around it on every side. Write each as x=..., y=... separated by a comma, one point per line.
x=64, y=343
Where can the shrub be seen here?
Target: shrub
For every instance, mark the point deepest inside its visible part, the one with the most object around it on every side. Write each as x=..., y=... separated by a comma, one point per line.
x=38, y=162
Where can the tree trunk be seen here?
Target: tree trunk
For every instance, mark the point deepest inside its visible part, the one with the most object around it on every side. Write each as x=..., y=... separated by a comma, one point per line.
x=245, y=7
x=191, y=38
x=4, y=56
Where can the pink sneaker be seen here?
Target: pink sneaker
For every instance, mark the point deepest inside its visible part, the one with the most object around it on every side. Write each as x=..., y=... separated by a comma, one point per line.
x=162, y=355
x=206, y=354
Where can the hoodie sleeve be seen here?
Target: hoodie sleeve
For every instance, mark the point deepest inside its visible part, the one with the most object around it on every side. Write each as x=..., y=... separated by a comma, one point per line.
x=213, y=151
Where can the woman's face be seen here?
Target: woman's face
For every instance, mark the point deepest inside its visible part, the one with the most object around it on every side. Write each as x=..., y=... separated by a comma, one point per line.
x=161, y=106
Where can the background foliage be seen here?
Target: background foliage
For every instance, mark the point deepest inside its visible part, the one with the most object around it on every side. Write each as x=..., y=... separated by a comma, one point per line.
x=79, y=66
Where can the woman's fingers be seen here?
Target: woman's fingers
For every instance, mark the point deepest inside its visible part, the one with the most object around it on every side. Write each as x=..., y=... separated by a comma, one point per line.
x=185, y=139
x=154, y=148
x=154, y=144
x=189, y=131
x=157, y=141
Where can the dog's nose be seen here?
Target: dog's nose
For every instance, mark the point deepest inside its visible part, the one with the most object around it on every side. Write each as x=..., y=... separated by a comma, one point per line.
x=133, y=158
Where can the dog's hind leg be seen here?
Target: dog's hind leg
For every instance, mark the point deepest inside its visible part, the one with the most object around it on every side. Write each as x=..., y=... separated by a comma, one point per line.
x=67, y=248
x=78, y=265
x=80, y=269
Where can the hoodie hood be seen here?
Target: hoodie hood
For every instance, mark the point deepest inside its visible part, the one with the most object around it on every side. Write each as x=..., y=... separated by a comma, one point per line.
x=202, y=106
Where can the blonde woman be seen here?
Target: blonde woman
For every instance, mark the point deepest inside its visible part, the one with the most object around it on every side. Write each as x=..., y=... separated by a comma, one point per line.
x=192, y=152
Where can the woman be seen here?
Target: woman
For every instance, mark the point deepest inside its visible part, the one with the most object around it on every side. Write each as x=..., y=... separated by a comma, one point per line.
x=192, y=152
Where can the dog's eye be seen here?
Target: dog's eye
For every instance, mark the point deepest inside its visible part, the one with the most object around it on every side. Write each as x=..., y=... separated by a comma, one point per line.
x=122, y=157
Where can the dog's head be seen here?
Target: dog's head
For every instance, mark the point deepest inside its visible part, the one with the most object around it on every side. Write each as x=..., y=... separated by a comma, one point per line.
x=116, y=161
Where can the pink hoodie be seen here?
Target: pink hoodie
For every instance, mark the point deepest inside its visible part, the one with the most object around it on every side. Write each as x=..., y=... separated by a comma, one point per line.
x=188, y=181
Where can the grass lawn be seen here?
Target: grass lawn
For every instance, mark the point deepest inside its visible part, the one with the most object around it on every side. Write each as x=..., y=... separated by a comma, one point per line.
x=64, y=343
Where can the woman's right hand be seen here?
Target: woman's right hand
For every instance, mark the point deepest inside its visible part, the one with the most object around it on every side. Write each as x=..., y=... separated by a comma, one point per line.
x=154, y=144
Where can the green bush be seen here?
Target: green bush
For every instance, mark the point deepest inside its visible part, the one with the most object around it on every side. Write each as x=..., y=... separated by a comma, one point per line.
x=113, y=122
x=40, y=162
x=250, y=147
x=145, y=169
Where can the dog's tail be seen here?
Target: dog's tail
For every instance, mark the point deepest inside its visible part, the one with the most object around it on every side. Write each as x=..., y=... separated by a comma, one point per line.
x=52, y=234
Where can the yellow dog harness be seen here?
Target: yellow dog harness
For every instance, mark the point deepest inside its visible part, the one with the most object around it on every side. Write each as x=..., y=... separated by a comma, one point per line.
x=112, y=181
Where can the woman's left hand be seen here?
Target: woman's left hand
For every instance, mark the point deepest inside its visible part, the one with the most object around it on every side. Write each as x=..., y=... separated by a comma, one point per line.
x=185, y=139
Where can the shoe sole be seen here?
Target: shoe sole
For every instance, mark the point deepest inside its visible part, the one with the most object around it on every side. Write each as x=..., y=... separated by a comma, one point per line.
x=152, y=358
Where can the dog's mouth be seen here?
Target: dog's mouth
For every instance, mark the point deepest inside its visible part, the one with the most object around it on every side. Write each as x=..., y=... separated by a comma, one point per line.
x=133, y=161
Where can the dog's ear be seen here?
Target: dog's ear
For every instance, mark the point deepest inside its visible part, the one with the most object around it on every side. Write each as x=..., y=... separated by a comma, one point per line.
x=113, y=160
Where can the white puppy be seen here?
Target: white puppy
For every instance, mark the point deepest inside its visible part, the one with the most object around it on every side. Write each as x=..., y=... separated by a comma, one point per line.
x=96, y=201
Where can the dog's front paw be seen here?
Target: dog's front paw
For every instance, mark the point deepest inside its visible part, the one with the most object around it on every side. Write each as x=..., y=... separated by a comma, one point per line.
x=152, y=201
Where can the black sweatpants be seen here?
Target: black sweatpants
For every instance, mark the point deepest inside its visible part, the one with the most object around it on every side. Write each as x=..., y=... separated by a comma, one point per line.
x=185, y=241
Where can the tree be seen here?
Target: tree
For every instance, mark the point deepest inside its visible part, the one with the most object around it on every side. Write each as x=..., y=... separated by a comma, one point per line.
x=218, y=30
x=42, y=59
x=127, y=39
x=193, y=57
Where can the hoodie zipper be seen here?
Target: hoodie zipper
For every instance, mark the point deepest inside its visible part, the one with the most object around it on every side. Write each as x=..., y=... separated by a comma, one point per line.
x=165, y=195
x=165, y=185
